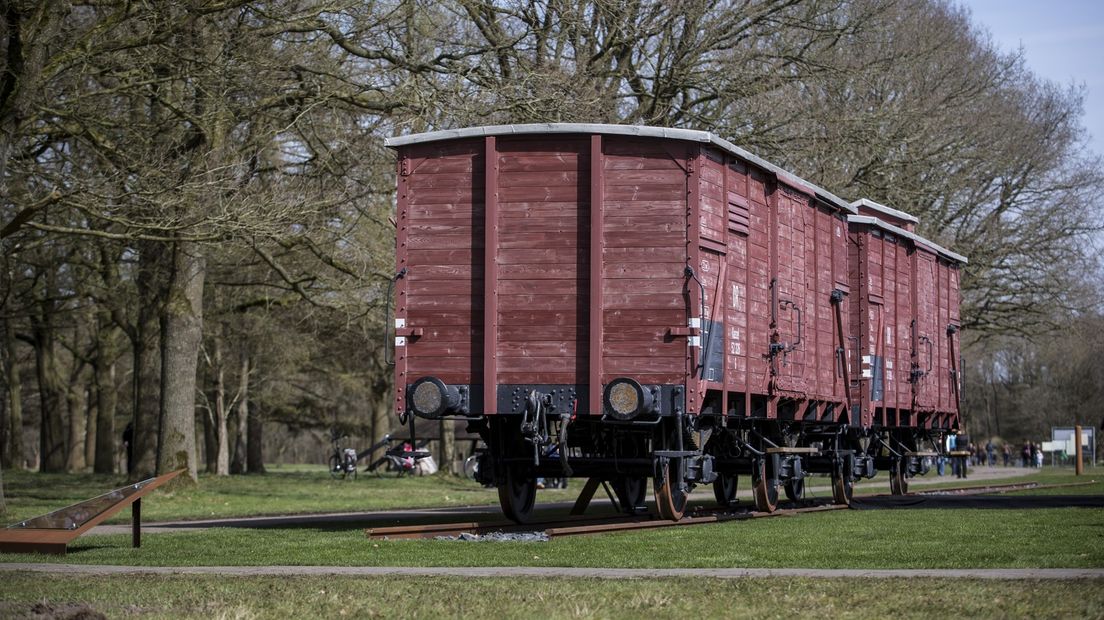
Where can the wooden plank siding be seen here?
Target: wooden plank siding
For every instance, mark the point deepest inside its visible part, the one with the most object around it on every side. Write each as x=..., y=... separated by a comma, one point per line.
x=905, y=295
x=644, y=189
x=561, y=259
x=882, y=313
x=440, y=228
x=543, y=309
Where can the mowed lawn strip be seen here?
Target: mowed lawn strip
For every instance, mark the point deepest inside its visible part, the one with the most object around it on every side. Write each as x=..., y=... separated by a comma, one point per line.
x=300, y=489
x=330, y=597
x=954, y=538
x=280, y=492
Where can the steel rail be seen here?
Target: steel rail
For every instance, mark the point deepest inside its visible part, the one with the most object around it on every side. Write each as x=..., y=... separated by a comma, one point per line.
x=581, y=525
x=1000, y=488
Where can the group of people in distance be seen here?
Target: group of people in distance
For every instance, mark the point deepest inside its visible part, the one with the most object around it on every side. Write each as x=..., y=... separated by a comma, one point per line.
x=989, y=454
x=1030, y=454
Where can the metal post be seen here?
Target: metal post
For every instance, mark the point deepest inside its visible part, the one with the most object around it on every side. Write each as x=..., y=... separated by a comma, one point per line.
x=136, y=523
x=1078, y=466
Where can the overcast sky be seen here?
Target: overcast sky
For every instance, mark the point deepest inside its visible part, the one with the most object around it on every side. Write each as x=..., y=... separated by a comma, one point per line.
x=1063, y=41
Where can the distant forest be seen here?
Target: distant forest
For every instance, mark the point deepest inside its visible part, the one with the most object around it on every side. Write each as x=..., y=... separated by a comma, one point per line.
x=196, y=214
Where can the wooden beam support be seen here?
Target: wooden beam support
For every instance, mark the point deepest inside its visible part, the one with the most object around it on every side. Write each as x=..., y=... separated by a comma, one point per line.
x=597, y=247
x=490, y=277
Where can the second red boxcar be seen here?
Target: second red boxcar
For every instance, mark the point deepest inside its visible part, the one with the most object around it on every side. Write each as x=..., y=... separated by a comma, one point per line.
x=905, y=313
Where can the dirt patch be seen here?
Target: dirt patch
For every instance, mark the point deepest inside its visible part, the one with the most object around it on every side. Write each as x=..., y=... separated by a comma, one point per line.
x=45, y=610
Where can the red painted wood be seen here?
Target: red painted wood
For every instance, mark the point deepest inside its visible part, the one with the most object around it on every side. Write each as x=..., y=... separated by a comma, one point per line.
x=596, y=281
x=903, y=292
x=586, y=241
x=490, y=277
x=537, y=317
x=402, y=250
x=694, y=390
x=632, y=255
x=533, y=256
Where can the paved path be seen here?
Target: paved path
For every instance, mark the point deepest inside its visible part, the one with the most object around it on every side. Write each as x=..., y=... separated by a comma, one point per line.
x=532, y=571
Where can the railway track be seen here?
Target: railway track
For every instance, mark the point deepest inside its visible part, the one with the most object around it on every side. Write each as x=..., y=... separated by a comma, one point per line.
x=575, y=526
x=582, y=525
x=1001, y=488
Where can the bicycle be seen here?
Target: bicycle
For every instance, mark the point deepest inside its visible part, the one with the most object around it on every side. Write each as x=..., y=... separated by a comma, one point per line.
x=343, y=460
x=402, y=458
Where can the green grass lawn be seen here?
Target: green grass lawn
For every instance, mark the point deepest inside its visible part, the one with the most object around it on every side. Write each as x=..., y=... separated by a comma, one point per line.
x=332, y=597
x=1043, y=538
x=307, y=489
x=958, y=538
x=284, y=490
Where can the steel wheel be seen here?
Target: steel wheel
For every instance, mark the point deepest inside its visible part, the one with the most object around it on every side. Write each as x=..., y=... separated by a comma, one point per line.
x=336, y=468
x=765, y=487
x=517, y=494
x=843, y=488
x=631, y=492
x=898, y=482
x=724, y=489
x=670, y=496
x=795, y=489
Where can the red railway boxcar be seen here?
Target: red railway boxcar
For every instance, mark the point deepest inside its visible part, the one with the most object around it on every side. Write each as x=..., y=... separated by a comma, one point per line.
x=905, y=313
x=624, y=303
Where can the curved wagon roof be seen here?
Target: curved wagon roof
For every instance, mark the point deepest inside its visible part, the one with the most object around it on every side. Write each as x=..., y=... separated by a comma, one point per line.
x=689, y=135
x=901, y=232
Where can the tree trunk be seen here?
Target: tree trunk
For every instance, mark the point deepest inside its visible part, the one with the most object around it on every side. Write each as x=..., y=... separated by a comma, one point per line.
x=254, y=447
x=92, y=432
x=210, y=442
x=13, y=451
x=181, y=333
x=108, y=347
x=238, y=465
x=51, y=437
x=146, y=405
x=381, y=409
x=448, y=446
x=3, y=504
x=223, y=440
x=221, y=456
x=106, y=403
x=5, y=425
x=78, y=427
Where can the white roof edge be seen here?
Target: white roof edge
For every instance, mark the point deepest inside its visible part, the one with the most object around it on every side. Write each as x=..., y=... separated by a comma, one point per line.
x=876, y=206
x=901, y=232
x=690, y=135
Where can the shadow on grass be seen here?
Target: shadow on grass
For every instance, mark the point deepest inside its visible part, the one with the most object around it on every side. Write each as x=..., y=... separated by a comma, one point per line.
x=1017, y=502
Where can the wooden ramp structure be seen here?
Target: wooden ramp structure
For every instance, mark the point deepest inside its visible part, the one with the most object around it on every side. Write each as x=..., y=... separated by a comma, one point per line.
x=51, y=533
